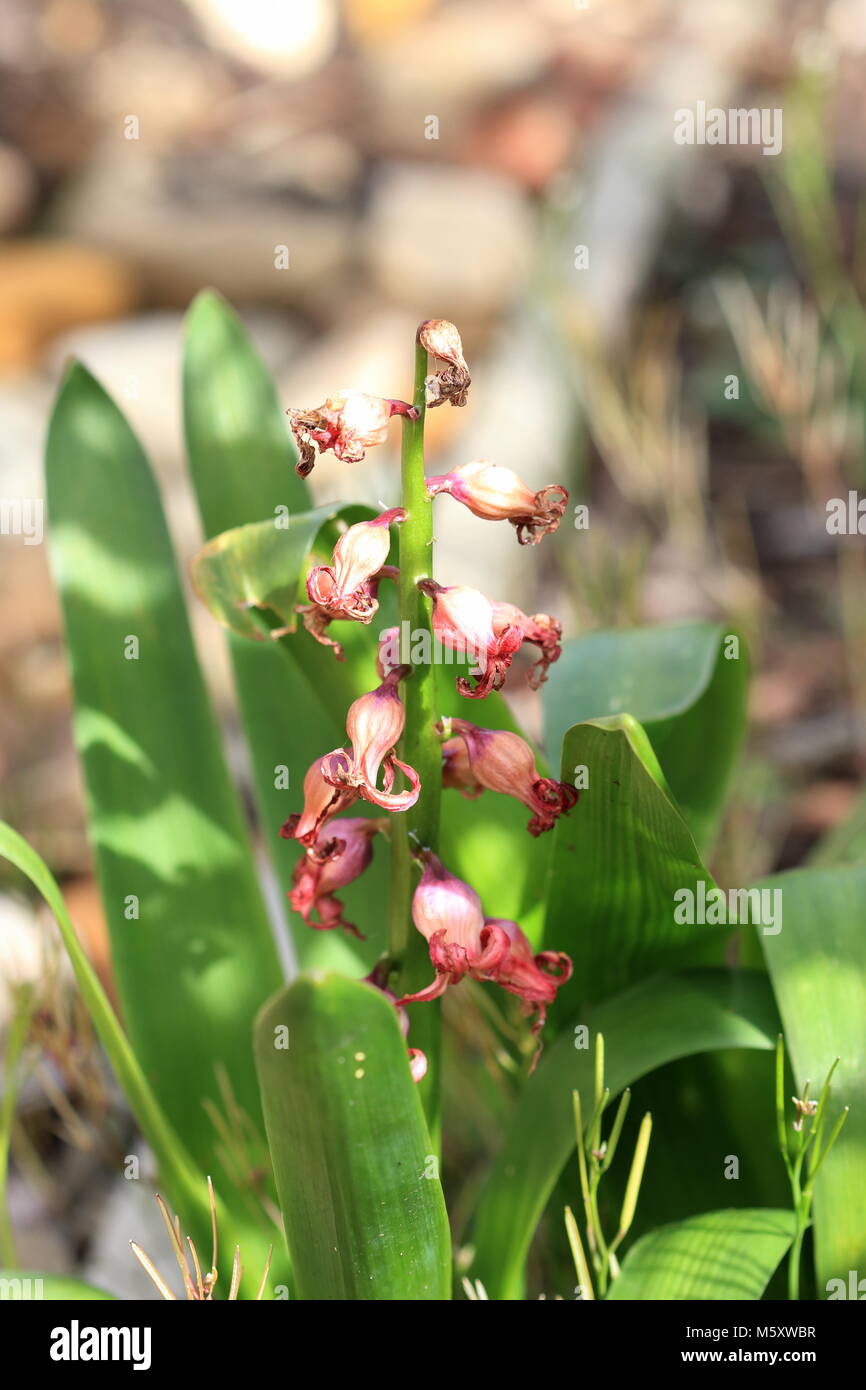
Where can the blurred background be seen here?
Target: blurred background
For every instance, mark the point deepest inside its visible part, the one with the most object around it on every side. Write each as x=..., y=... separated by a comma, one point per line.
x=674, y=331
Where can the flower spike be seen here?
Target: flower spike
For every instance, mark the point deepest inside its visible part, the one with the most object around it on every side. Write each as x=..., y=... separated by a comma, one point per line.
x=451, y=383
x=495, y=493
x=499, y=761
x=349, y=423
x=374, y=725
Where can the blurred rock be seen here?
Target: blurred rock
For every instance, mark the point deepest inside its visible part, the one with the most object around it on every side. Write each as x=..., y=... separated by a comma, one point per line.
x=450, y=242
x=286, y=41
x=47, y=286
x=527, y=138
x=452, y=63
x=17, y=189
x=119, y=83
x=182, y=238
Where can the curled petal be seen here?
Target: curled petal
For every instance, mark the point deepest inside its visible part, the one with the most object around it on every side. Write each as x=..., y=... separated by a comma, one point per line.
x=541, y=629
x=374, y=724
x=322, y=800
x=396, y=801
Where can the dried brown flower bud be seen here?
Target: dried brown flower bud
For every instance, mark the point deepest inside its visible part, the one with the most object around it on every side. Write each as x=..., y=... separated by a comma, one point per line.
x=451, y=383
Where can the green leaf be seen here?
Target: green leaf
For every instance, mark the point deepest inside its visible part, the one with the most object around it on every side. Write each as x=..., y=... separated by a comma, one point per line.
x=261, y=566
x=191, y=944
x=681, y=683
x=618, y=860
x=364, y=1218
x=184, y=1182
x=644, y=1028
x=719, y=1255
x=27, y=1284
x=817, y=963
x=240, y=450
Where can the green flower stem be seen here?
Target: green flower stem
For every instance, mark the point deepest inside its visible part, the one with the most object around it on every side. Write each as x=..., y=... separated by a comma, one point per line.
x=421, y=749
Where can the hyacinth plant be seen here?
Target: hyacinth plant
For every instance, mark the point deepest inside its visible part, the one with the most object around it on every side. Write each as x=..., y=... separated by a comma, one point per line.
x=473, y=916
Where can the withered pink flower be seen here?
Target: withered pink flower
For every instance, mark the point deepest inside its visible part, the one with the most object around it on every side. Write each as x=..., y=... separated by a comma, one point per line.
x=374, y=724
x=534, y=977
x=541, y=629
x=464, y=620
x=463, y=941
x=321, y=802
x=340, y=588
x=495, y=493
x=349, y=423
x=339, y=855
x=497, y=760
x=451, y=383
x=317, y=618
x=348, y=588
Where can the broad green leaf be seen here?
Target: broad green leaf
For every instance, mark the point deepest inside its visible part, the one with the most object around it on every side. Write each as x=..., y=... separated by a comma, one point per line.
x=719, y=1255
x=617, y=862
x=817, y=963
x=644, y=1028
x=292, y=694
x=27, y=1284
x=191, y=944
x=360, y=1195
x=686, y=684
x=240, y=450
